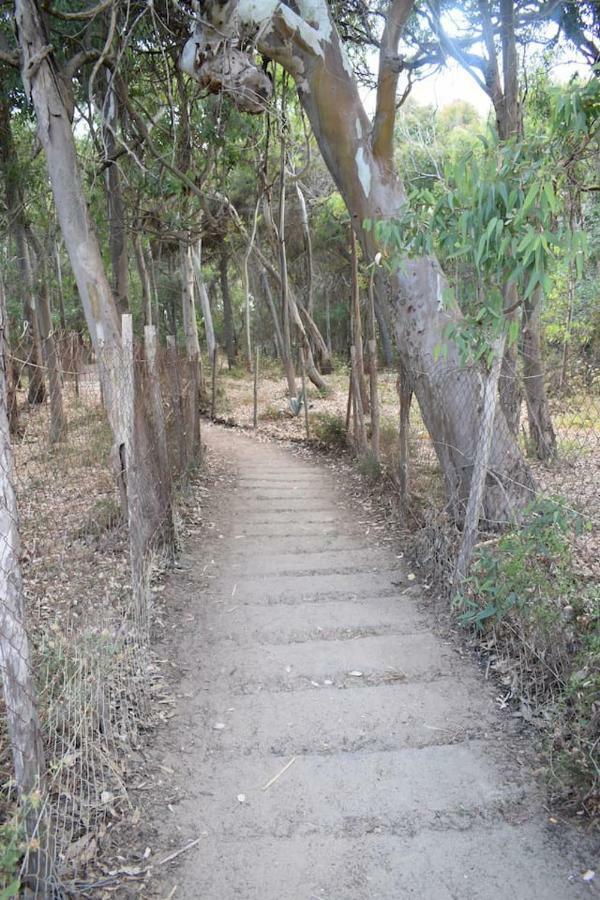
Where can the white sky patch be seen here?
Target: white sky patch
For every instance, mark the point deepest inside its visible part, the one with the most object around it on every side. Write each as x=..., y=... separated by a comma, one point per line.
x=364, y=171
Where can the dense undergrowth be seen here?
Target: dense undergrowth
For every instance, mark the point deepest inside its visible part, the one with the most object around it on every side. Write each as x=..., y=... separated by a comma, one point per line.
x=539, y=621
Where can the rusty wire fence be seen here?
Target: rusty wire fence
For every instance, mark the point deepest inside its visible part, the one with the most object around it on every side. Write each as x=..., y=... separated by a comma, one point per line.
x=88, y=526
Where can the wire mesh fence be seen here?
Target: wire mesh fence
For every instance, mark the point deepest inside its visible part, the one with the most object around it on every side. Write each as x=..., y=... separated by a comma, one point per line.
x=88, y=522
x=567, y=471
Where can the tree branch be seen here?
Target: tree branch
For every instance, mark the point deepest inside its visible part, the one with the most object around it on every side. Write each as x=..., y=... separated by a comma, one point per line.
x=390, y=66
x=82, y=14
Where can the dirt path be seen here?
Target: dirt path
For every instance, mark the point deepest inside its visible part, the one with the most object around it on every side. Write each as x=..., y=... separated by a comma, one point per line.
x=305, y=655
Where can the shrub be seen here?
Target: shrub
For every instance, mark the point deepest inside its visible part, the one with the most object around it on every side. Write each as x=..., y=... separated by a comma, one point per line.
x=540, y=622
x=329, y=428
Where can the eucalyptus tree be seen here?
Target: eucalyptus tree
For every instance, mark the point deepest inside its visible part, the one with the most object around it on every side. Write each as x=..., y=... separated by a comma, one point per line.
x=359, y=153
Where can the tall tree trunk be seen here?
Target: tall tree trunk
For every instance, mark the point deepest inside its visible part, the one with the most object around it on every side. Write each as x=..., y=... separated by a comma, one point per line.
x=192, y=344
x=228, y=329
x=59, y=282
x=355, y=319
x=48, y=340
x=12, y=407
x=381, y=304
x=16, y=669
x=209, y=330
x=266, y=289
x=9, y=165
x=285, y=303
x=541, y=430
x=117, y=233
x=319, y=346
x=45, y=85
x=143, y=272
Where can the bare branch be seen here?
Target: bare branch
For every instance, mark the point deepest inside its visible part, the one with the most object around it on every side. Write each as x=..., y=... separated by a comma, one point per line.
x=390, y=66
x=83, y=14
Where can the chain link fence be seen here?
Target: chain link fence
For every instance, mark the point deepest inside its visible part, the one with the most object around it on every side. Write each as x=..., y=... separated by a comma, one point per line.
x=88, y=524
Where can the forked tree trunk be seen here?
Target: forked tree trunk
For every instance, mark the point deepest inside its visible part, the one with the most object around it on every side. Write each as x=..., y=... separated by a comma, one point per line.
x=42, y=82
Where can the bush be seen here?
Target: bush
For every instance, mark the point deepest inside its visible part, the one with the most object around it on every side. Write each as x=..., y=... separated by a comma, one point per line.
x=369, y=467
x=329, y=428
x=540, y=622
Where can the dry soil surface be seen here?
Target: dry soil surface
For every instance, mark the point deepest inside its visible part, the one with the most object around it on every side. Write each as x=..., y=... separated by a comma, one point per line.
x=328, y=744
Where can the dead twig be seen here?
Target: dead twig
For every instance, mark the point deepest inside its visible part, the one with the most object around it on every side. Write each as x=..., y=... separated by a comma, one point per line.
x=279, y=774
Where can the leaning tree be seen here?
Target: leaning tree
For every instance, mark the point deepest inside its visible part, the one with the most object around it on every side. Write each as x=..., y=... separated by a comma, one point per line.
x=359, y=152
